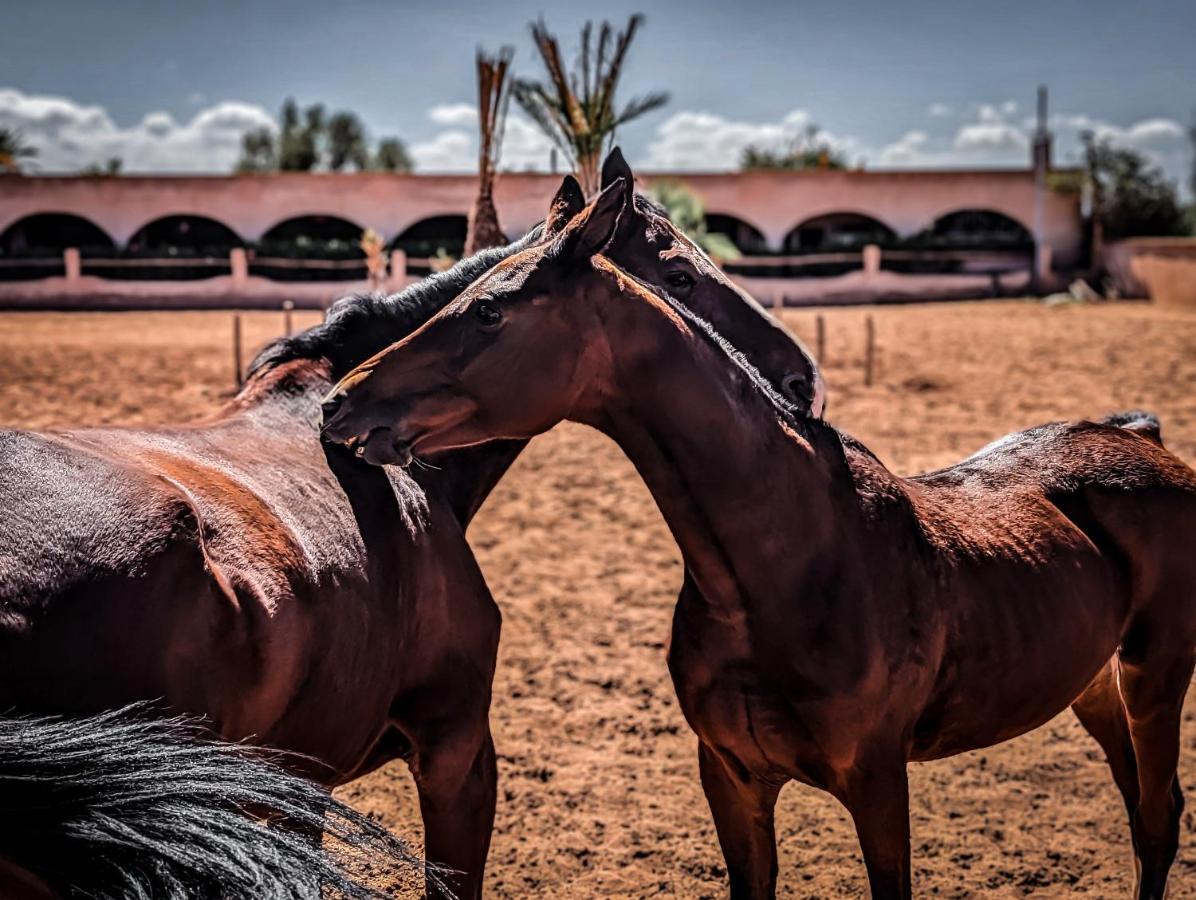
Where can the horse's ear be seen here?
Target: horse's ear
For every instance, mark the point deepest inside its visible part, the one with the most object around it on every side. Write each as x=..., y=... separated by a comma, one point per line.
x=615, y=167
x=568, y=202
x=592, y=234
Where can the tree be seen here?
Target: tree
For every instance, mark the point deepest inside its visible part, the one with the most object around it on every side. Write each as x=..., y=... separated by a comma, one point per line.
x=1130, y=197
x=13, y=149
x=109, y=168
x=347, y=142
x=312, y=139
x=299, y=142
x=258, y=151
x=687, y=213
x=583, y=124
x=809, y=150
x=493, y=96
x=392, y=156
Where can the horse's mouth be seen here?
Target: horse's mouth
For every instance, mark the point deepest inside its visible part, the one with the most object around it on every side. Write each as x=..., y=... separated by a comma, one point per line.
x=382, y=447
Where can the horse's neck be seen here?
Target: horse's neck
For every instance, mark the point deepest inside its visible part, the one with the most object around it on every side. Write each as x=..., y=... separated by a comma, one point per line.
x=294, y=391
x=467, y=476
x=734, y=482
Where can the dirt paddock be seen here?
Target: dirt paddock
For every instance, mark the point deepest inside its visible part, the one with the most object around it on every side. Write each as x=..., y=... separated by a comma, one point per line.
x=599, y=792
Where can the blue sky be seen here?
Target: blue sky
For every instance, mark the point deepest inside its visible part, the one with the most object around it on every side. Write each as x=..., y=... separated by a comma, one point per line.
x=171, y=86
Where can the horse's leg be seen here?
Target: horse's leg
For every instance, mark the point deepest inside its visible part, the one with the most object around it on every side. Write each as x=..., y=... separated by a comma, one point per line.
x=1154, y=681
x=1102, y=713
x=457, y=781
x=743, y=809
x=876, y=793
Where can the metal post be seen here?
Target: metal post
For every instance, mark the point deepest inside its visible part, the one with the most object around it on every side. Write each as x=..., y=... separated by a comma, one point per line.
x=287, y=324
x=1042, y=162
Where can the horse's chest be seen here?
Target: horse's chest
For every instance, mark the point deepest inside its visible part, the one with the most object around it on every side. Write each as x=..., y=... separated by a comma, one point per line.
x=731, y=703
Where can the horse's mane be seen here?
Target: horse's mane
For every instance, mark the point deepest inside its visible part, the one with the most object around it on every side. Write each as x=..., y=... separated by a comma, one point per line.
x=788, y=412
x=358, y=326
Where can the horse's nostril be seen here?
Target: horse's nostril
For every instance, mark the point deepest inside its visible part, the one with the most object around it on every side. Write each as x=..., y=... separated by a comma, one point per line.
x=331, y=405
x=795, y=387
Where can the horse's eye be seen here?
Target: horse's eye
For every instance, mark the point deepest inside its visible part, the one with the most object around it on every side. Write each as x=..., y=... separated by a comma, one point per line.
x=488, y=316
x=679, y=280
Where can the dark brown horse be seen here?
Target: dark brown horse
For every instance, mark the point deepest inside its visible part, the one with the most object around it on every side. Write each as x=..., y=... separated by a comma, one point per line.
x=848, y=620
x=243, y=571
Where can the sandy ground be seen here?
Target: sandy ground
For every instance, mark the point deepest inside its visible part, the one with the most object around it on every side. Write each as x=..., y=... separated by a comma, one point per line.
x=599, y=793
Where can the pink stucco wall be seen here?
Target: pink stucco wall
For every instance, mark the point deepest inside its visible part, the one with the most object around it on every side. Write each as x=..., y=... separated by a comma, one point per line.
x=773, y=202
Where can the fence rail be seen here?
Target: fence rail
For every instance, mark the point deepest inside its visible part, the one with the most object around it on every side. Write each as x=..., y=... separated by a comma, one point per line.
x=240, y=263
x=858, y=256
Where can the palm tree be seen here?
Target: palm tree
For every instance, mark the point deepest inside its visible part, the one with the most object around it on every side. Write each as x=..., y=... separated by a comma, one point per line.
x=493, y=96
x=13, y=149
x=583, y=125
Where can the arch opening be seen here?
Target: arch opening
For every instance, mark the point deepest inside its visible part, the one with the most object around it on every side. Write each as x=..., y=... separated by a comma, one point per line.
x=440, y=238
x=331, y=244
x=32, y=246
x=48, y=234
x=744, y=235
x=838, y=232
x=977, y=229
x=184, y=235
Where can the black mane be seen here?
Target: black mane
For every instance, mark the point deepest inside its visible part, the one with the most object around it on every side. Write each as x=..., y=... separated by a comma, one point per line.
x=358, y=326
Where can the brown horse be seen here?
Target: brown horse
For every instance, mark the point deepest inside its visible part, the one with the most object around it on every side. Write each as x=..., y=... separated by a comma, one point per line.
x=241, y=570
x=848, y=621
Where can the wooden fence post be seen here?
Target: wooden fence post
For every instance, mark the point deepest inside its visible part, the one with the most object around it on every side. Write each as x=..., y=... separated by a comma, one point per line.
x=237, y=348
x=820, y=340
x=869, y=350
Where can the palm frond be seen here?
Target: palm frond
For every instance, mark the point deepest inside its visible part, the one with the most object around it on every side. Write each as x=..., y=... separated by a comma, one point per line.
x=577, y=110
x=639, y=106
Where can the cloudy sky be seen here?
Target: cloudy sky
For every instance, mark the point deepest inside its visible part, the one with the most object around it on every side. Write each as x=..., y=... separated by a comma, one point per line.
x=171, y=87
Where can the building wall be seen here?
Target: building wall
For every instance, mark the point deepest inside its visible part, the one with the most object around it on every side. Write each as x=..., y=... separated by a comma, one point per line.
x=773, y=202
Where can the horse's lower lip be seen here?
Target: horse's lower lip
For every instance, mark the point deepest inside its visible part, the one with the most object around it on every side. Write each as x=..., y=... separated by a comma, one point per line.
x=380, y=446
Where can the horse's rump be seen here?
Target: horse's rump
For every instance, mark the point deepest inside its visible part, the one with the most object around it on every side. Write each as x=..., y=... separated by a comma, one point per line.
x=71, y=517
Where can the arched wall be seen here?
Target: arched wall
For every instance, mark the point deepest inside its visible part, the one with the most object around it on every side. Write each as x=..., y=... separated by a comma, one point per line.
x=389, y=203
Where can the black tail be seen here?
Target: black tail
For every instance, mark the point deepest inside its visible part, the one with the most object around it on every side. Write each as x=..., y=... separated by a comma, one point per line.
x=123, y=805
x=1139, y=422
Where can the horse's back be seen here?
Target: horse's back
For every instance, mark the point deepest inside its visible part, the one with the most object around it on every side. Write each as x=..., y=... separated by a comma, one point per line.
x=1123, y=452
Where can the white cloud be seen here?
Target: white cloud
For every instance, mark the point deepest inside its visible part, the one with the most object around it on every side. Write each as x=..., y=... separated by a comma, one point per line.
x=703, y=140
x=70, y=136
x=1162, y=141
x=906, y=150
x=459, y=115
x=455, y=149
x=939, y=111
x=992, y=139
x=1009, y=108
